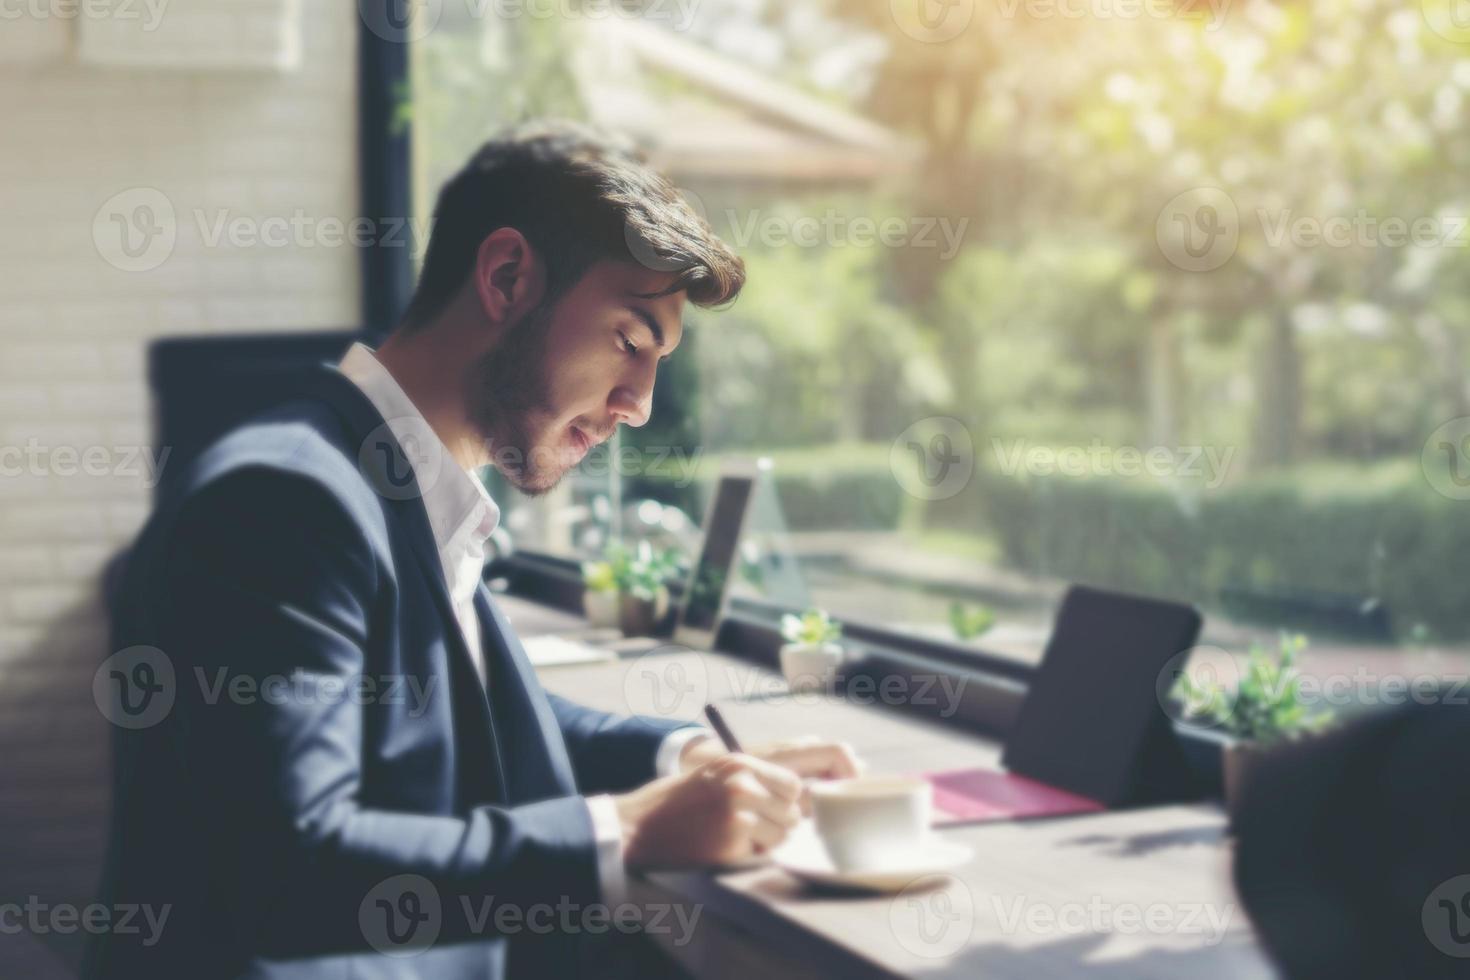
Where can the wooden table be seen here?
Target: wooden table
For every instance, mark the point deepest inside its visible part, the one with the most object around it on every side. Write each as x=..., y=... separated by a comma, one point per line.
x=1129, y=894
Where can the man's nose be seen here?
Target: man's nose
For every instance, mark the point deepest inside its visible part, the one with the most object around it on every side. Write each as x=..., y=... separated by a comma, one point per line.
x=631, y=406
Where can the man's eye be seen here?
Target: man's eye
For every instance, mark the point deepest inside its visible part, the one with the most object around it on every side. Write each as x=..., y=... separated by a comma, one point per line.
x=628, y=345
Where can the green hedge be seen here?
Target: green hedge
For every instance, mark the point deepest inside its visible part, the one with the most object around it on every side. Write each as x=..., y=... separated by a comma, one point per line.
x=1373, y=532
x=824, y=488
x=1356, y=532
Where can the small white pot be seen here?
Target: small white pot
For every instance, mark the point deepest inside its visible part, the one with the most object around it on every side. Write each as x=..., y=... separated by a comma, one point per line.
x=810, y=666
x=601, y=608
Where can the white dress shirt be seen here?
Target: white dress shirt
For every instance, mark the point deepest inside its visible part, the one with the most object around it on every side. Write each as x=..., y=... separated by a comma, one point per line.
x=462, y=516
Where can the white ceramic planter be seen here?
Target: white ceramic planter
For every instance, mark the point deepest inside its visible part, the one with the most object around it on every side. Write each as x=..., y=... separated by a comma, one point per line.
x=810, y=666
x=601, y=608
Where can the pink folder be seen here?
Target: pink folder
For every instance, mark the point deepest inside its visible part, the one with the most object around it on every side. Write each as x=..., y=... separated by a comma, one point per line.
x=971, y=795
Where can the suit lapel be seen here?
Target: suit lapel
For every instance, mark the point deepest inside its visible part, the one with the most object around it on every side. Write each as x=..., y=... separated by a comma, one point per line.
x=387, y=468
x=542, y=768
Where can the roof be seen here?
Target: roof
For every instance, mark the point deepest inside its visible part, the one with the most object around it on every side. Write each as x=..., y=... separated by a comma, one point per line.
x=730, y=122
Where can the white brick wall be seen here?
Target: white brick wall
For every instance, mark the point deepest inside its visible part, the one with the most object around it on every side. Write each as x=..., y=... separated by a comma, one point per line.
x=193, y=33
x=253, y=145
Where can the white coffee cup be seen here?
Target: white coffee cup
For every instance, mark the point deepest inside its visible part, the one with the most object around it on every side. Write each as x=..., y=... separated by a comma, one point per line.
x=872, y=823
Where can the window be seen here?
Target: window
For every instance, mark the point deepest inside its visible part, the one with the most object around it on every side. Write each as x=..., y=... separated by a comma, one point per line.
x=1167, y=304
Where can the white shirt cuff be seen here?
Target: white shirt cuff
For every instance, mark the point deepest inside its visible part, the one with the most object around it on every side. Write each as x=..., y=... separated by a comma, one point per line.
x=607, y=832
x=666, y=762
x=607, y=829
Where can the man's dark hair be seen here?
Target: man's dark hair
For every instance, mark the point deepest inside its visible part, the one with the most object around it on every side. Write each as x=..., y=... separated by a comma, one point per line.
x=578, y=197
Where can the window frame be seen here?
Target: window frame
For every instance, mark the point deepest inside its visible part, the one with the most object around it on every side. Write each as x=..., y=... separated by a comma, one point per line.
x=994, y=685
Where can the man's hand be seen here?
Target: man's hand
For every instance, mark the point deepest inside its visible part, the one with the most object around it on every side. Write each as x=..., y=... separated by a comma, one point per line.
x=810, y=757
x=721, y=812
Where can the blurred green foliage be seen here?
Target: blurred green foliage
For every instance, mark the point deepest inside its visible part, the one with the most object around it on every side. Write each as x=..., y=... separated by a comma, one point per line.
x=1266, y=706
x=1061, y=321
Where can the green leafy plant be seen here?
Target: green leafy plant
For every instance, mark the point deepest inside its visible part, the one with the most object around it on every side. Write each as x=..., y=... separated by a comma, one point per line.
x=611, y=573
x=812, y=628
x=598, y=576
x=1266, y=705
x=970, y=623
x=638, y=572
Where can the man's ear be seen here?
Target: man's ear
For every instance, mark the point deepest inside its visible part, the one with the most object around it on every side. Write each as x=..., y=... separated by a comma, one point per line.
x=510, y=278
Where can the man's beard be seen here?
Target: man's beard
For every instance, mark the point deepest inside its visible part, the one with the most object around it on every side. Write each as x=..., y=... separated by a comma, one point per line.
x=508, y=391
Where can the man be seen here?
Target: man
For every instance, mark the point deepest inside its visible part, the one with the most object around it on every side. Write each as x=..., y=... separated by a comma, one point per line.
x=292, y=815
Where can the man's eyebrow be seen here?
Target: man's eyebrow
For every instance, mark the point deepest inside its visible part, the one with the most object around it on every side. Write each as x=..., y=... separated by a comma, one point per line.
x=652, y=325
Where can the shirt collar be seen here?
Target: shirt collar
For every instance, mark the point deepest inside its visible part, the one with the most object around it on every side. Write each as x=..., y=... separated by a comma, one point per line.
x=461, y=513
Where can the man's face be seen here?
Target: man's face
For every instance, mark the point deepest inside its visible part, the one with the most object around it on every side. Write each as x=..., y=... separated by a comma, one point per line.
x=564, y=377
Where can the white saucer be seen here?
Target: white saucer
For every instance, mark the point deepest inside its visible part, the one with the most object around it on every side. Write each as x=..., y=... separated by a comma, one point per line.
x=803, y=856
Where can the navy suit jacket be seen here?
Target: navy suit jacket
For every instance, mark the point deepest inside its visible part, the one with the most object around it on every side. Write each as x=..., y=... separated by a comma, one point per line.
x=331, y=787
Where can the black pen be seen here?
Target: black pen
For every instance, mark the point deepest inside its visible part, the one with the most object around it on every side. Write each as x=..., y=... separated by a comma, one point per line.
x=717, y=722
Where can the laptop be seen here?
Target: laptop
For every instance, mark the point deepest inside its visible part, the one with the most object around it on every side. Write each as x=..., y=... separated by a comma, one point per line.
x=706, y=593
x=1091, y=734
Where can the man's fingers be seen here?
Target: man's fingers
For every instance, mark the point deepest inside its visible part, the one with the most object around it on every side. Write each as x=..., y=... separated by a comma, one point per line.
x=816, y=757
x=762, y=834
x=778, y=780
x=833, y=760
x=750, y=794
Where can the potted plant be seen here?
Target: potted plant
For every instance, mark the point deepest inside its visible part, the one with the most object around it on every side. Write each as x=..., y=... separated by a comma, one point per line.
x=628, y=588
x=643, y=592
x=1264, y=710
x=970, y=624
x=600, y=593
x=811, y=655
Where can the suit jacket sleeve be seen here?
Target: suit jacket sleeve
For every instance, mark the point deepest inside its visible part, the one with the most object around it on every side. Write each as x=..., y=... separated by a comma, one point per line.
x=267, y=575
x=611, y=753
